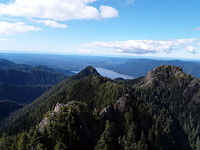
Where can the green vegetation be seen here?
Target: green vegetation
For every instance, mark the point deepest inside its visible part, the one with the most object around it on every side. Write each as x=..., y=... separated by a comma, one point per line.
x=158, y=111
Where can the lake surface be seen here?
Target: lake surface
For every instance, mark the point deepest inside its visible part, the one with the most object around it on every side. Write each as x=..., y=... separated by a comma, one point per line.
x=109, y=73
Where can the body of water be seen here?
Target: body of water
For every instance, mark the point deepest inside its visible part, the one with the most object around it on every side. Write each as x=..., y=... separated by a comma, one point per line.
x=109, y=73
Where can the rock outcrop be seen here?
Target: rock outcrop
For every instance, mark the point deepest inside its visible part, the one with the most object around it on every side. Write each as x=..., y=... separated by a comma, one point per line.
x=121, y=103
x=49, y=115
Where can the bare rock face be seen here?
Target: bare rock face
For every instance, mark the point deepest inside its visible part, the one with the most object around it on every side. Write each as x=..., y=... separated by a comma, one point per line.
x=47, y=119
x=192, y=92
x=121, y=104
x=58, y=107
x=106, y=113
x=44, y=121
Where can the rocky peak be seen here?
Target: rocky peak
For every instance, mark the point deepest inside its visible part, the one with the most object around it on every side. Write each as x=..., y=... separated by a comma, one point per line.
x=86, y=72
x=164, y=75
x=90, y=70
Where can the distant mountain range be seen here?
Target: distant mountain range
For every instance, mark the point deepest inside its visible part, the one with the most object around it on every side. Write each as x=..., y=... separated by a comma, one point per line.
x=88, y=111
x=140, y=67
x=135, y=67
x=21, y=83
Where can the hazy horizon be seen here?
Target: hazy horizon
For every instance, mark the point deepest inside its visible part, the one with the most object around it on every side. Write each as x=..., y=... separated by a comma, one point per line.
x=98, y=55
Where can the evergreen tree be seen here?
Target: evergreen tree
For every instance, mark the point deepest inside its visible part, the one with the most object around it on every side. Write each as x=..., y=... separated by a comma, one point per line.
x=107, y=140
x=141, y=144
x=23, y=142
x=60, y=146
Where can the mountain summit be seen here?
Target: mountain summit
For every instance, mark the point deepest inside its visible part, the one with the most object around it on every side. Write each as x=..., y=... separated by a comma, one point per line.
x=166, y=75
x=86, y=72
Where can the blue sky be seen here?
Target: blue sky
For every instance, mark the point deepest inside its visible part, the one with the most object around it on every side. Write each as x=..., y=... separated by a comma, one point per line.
x=156, y=28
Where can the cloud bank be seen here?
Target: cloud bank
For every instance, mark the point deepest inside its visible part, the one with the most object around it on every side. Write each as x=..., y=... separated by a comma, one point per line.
x=48, y=13
x=149, y=46
x=59, y=10
x=51, y=23
x=7, y=28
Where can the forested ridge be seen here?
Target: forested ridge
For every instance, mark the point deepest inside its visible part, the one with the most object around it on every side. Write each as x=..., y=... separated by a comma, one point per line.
x=25, y=75
x=22, y=83
x=88, y=111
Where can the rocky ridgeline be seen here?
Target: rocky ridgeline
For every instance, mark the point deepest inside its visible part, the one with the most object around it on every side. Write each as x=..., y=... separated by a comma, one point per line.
x=50, y=115
x=106, y=113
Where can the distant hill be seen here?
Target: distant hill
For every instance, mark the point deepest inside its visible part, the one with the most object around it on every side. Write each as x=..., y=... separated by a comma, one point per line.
x=23, y=83
x=140, y=67
x=88, y=111
x=31, y=77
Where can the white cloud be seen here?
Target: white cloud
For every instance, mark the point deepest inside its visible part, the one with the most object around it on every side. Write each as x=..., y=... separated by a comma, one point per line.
x=148, y=46
x=60, y=10
x=107, y=12
x=191, y=49
x=7, y=28
x=51, y=23
x=85, y=51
